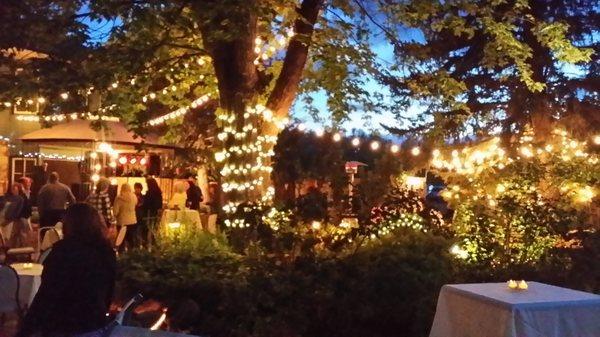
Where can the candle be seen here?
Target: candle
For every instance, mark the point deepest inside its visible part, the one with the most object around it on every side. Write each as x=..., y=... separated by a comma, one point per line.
x=512, y=284
x=523, y=285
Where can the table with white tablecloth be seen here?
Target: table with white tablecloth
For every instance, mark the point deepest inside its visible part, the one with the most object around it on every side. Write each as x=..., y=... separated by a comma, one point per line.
x=187, y=216
x=494, y=310
x=30, y=279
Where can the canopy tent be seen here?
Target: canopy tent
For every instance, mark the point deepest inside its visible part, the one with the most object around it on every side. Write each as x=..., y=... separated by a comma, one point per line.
x=83, y=131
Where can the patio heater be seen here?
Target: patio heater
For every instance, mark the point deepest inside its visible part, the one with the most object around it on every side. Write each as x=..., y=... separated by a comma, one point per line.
x=350, y=220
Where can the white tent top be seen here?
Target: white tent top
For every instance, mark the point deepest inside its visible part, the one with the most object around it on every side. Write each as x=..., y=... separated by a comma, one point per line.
x=82, y=131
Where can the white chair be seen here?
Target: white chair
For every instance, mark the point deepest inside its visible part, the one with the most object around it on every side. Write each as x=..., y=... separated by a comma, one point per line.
x=9, y=292
x=120, y=236
x=49, y=239
x=12, y=254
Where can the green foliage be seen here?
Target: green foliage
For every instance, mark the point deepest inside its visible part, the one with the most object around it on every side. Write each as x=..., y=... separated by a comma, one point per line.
x=481, y=66
x=386, y=287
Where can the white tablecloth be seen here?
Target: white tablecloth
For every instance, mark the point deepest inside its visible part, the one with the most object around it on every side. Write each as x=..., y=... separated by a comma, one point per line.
x=30, y=280
x=187, y=216
x=493, y=310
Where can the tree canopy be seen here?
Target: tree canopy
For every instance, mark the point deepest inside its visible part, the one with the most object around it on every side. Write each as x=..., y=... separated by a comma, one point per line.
x=484, y=66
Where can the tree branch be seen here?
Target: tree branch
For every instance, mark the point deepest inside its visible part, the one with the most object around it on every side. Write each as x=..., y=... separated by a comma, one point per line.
x=286, y=86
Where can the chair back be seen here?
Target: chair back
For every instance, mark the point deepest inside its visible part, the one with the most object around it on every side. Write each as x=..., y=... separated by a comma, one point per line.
x=9, y=289
x=52, y=236
x=44, y=255
x=121, y=236
x=5, y=233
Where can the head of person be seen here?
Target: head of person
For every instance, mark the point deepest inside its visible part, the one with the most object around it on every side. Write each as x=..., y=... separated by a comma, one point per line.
x=192, y=180
x=15, y=189
x=26, y=182
x=102, y=185
x=180, y=187
x=138, y=188
x=53, y=178
x=152, y=185
x=83, y=222
x=126, y=189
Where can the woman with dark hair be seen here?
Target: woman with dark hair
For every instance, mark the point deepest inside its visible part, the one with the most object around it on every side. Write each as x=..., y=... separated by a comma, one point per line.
x=151, y=204
x=77, y=281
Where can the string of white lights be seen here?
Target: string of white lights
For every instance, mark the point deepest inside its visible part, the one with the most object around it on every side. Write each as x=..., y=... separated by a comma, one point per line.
x=198, y=102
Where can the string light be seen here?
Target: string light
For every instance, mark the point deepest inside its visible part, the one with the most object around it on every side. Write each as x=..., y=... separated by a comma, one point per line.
x=415, y=151
x=65, y=117
x=51, y=156
x=394, y=148
x=355, y=142
x=337, y=137
x=198, y=102
x=375, y=145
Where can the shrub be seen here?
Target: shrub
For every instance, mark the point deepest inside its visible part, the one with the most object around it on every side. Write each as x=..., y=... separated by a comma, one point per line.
x=386, y=288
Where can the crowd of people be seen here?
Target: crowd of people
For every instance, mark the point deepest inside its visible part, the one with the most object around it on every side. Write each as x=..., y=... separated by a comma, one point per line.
x=79, y=272
x=131, y=207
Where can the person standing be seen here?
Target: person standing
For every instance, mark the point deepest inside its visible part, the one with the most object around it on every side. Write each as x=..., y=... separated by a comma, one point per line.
x=124, y=209
x=22, y=226
x=100, y=200
x=194, y=194
x=153, y=199
x=152, y=203
x=12, y=207
x=52, y=200
x=78, y=280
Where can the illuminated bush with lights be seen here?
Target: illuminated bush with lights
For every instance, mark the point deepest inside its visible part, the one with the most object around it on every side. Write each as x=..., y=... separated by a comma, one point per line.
x=405, y=208
x=513, y=205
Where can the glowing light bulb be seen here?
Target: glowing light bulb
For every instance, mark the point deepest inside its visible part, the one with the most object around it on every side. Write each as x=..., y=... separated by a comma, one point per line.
x=97, y=167
x=301, y=127
x=143, y=161
x=597, y=139
x=174, y=225
x=585, y=194
x=415, y=151
x=394, y=148
x=132, y=161
x=355, y=142
x=41, y=100
x=123, y=160
x=337, y=137
x=104, y=147
x=375, y=145
x=319, y=132
x=64, y=95
x=500, y=188
x=93, y=155
x=316, y=225
x=95, y=177
x=435, y=153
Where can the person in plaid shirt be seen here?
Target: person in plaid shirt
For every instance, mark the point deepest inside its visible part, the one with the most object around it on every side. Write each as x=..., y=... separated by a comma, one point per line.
x=100, y=200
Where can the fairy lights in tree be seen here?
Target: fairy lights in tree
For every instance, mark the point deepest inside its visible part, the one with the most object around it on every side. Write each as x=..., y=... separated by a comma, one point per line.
x=519, y=195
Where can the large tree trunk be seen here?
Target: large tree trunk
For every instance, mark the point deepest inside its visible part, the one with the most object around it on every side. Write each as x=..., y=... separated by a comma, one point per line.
x=232, y=51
